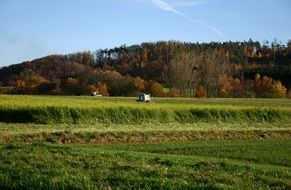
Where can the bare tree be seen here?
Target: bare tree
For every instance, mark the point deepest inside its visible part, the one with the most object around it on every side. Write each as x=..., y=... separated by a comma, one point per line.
x=215, y=64
x=183, y=73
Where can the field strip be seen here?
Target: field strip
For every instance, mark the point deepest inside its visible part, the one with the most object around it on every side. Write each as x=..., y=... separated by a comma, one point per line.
x=241, y=162
x=22, y=128
x=181, y=159
x=107, y=136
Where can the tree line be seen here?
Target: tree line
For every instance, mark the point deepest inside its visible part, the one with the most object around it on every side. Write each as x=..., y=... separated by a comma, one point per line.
x=163, y=68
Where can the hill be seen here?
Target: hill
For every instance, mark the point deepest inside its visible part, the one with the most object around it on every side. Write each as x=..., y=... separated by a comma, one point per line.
x=228, y=69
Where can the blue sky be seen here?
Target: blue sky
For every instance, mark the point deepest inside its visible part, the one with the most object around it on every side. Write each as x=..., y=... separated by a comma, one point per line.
x=31, y=29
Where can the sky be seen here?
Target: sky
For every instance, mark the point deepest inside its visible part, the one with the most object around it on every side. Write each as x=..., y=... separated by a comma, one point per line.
x=31, y=29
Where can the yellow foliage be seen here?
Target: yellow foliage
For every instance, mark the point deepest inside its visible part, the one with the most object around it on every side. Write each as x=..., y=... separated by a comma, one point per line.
x=257, y=77
x=266, y=87
x=278, y=90
x=225, y=89
x=72, y=81
x=144, y=54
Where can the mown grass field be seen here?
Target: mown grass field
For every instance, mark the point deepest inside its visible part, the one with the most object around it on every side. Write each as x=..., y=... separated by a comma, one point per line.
x=261, y=164
x=52, y=142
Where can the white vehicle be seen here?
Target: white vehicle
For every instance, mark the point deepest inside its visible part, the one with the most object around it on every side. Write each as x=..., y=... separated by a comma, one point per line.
x=144, y=97
x=96, y=94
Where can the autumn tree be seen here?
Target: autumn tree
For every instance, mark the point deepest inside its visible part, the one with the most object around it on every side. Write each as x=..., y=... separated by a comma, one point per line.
x=200, y=92
x=266, y=87
x=139, y=84
x=32, y=79
x=155, y=89
x=230, y=87
x=102, y=89
x=183, y=73
x=144, y=55
x=225, y=87
x=278, y=90
x=90, y=89
x=215, y=64
x=20, y=86
x=238, y=89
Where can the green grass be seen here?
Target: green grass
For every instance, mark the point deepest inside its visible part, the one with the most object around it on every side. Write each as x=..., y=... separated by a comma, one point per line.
x=88, y=110
x=191, y=165
x=87, y=101
x=266, y=151
x=50, y=142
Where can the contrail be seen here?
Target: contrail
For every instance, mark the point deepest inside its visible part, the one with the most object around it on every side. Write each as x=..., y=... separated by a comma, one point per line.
x=166, y=7
x=187, y=4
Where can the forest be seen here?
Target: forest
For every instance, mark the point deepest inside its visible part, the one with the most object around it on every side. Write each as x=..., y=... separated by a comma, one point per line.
x=163, y=69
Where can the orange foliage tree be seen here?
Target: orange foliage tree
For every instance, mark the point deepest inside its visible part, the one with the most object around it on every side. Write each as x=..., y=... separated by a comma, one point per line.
x=200, y=92
x=102, y=89
x=139, y=84
x=237, y=88
x=90, y=89
x=20, y=84
x=230, y=87
x=155, y=89
x=225, y=86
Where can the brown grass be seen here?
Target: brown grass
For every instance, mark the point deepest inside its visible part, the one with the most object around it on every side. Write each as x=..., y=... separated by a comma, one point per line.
x=134, y=137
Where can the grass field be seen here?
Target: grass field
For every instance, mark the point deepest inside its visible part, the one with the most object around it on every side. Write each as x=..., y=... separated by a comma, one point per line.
x=193, y=165
x=92, y=110
x=117, y=143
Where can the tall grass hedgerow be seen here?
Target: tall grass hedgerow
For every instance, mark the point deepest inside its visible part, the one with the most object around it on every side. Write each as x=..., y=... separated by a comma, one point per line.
x=131, y=115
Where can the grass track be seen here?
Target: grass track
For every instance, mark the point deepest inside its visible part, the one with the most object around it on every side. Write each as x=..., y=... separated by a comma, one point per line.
x=130, y=134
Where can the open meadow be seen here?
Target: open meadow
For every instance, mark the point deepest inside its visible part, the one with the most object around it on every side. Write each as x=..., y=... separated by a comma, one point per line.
x=51, y=142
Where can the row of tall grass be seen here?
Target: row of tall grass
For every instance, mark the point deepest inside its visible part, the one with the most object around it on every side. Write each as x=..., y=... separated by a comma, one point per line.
x=88, y=110
x=132, y=115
